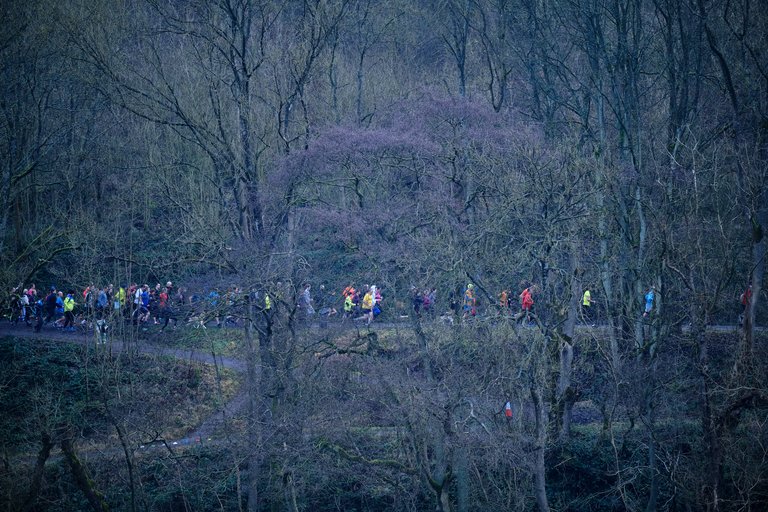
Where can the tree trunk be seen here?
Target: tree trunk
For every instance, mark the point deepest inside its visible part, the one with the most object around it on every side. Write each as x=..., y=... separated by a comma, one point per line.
x=37, y=476
x=289, y=492
x=461, y=475
x=759, y=226
x=84, y=483
x=253, y=374
x=712, y=492
x=128, y=455
x=653, y=494
x=539, y=468
x=565, y=393
x=5, y=203
x=360, y=80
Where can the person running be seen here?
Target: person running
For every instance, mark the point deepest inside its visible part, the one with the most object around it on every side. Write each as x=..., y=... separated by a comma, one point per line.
x=305, y=301
x=357, y=299
x=102, y=301
x=470, y=301
x=119, y=299
x=417, y=300
x=650, y=296
x=89, y=299
x=325, y=303
x=586, y=306
x=32, y=293
x=426, y=302
x=267, y=304
x=349, y=290
x=367, y=304
x=136, y=294
x=181, y=303
x=154, y=308
x=230, y=315
x=141, y=304
x=146, y=300
x=349, y=305
x=377, y=301
x=745, y=298
x=25, y=309
x=213, y=302
x=166, y=311
x=39, y=314
x=163, y=299
x=526, y=304
x=50, y=305
x=69, y=311
x=15, y=304
x=504, y=302
x=59, y=310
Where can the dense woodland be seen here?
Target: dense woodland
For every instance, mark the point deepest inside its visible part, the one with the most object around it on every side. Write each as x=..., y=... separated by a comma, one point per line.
x=604, y=144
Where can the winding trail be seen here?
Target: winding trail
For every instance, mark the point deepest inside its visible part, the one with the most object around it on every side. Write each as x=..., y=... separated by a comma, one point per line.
x=205, y=431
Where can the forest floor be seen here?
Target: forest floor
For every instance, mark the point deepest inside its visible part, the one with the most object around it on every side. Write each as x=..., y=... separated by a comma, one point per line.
x=208, y=423
x=223, y=350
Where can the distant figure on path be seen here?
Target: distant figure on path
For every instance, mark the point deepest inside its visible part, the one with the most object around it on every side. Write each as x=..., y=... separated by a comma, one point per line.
x=470, y=301
x=586, y=306
x=650, y=296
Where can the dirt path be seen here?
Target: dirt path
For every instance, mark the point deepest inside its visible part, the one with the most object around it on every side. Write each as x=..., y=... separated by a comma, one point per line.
x=204, y=432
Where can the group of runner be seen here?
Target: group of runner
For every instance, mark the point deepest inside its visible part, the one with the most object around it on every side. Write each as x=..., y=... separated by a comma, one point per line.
x=164, y=305
x=66, y=309
x=363, y=303
x=505, y=305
